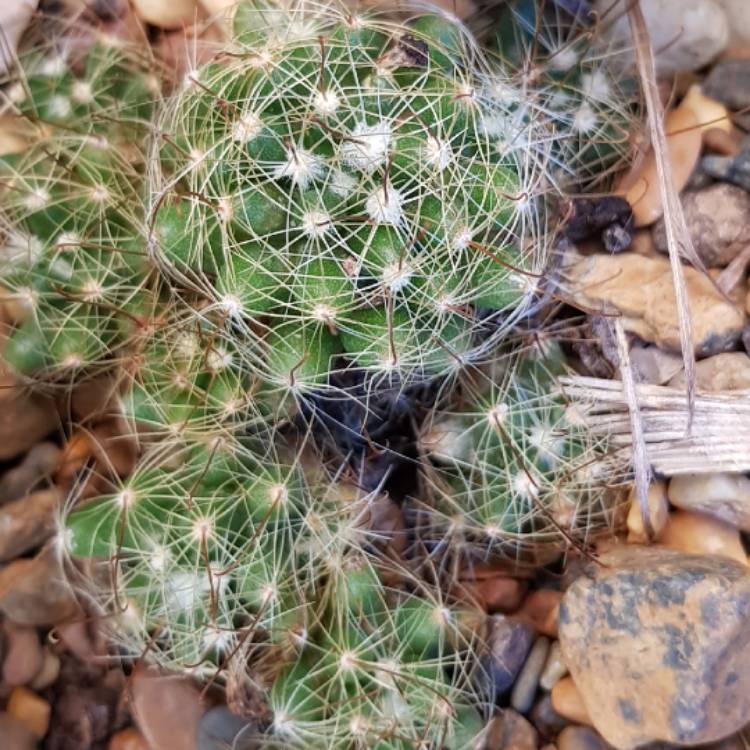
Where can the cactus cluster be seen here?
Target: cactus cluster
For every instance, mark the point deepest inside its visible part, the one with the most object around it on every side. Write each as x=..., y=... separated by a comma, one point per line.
x=337, y=217
x=579, y=85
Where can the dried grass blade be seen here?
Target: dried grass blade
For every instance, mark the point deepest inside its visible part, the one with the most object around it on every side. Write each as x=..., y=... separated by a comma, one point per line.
x=678, y=236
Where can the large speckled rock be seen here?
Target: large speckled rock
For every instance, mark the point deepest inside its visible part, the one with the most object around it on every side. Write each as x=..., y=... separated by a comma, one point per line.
x=641, y=290
x=658, y=644
x=718, y=219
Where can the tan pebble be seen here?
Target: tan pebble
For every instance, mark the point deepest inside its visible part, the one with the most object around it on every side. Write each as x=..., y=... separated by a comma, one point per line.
x=128, y=739
x=540, y=609
x=727, y=371
x=581, y=738
x=719, y=141
x=508, y=730
x=684, y=141
x=167, y=14
x=709, y=113
x=554, y=668
x=23, y=656
x=36, y=591
x=658, y=510
x=549, y=746
x=115, y=447
x=15, y=734
x=26, y=523
x=25, y=417
x=38, y=465
x=75, y=454
x=166, y=708
x=49, y=671
x=500, y=594
x=567, y=701
x=643, y=243
x=26, y=706
x=698, y=534
x=94, y=399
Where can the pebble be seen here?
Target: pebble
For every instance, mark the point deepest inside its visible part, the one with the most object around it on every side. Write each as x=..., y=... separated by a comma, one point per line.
x=718, y=219
x=728, y=371
x=581, y=738
x=722, y=495
x=686, y=34
x=14, y=18
x=653, y=365
x=554, y=668
x=509, y=642
x=684, y=145
x=26, y=706
x=729, y=169
x=658, y=507
x=493, y=592
x=568, y=701
x=25, y=418
x=738, y=14
x=540, y=609
x=48, y=672
x=28, y=522
x=524, y=691
x=508, y=730
x=167, y=14
x=37, y=465
x=15, y=734
x=641, y=289
x=94, y=400
x=167, y=709
x=548, y=722
x=128, y=739
x=658, y=644
x=219, y=728
x=23, y=658
x=35, y=591
x=699, y=534
x=729, y=82
x=718, y=141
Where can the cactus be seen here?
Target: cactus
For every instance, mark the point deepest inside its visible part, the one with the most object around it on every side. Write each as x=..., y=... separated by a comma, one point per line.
x=335, y=210
x=512, y=470
x=575, y=83
x=73, y=209
x=332, y=189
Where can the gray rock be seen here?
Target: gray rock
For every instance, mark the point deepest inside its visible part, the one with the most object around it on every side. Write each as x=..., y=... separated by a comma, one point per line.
x=734, y=169
x=527, y=682
x=220, y=729
x=718, y=219
x=658, y=644
x=729, y=83
x=509, y=644
x=723, y=495
x=581, y=738
x=554, y=667
x=37, y=466
x=27, y=523
x=548, y=722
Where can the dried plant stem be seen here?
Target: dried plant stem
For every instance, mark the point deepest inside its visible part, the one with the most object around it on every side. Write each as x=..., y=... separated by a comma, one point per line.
x=678, y=237
x=718, y=441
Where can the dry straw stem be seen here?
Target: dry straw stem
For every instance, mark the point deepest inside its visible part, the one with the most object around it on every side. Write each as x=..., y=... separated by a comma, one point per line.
x=641, y=466
x=719, y=439
x=678, y=236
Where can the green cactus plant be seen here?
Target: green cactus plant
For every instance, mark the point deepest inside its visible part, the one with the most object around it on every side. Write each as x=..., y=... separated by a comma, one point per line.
x=332, y=189
x=73, y=211
x=332, y=196
x=581, y=88
x=512, y=468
